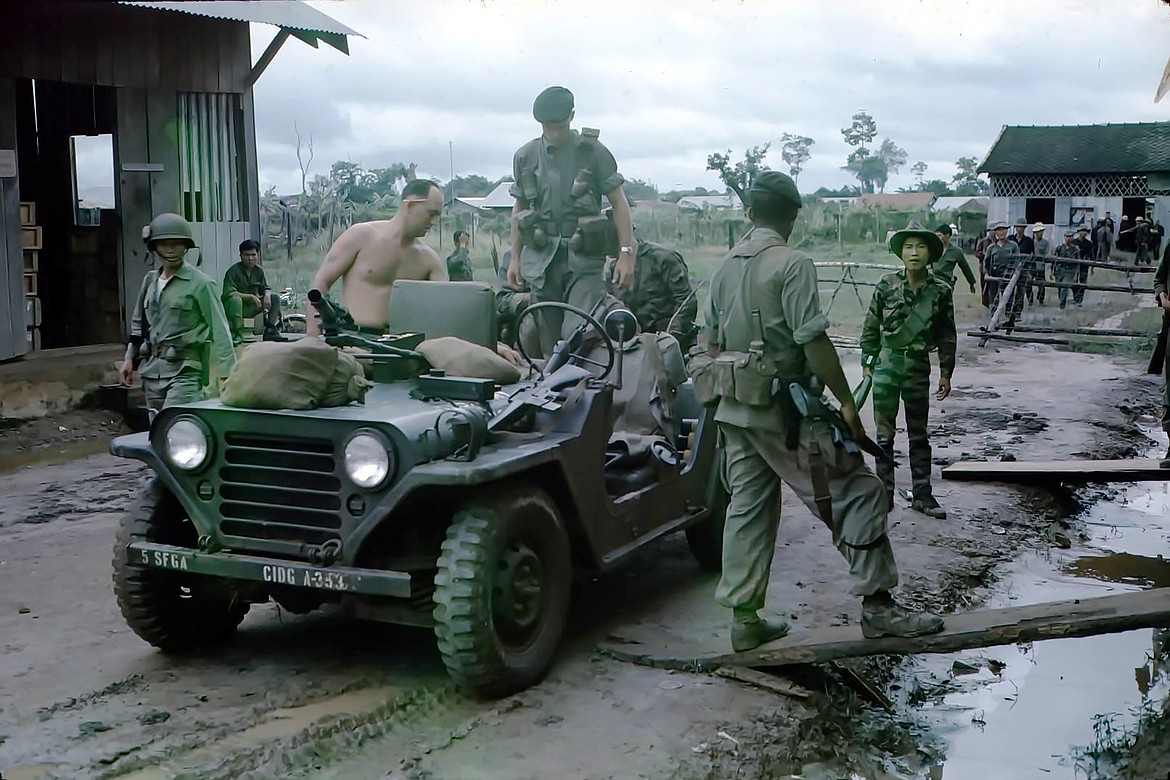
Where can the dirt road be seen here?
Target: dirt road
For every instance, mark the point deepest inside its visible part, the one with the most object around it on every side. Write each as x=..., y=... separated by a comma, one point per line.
x=320, y=697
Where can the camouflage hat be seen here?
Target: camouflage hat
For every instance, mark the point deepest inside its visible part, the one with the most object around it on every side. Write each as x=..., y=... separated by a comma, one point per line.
x=553, y=105
x=916, y=230
x=778, y=184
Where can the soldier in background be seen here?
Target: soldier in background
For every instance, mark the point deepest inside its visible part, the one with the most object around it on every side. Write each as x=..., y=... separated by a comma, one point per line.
x=246, y=294
x=1024, y=285
x=1066, y=273
x=179, y=312
x=998, y=259
x=661, y=297
x=952, y=257
x=910, y=315
x=459, y=262
x=1086, y=248
x=1104, y=239
x=1039, y=272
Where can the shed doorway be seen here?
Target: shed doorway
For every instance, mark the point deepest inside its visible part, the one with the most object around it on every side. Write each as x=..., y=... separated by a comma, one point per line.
x=66, y=134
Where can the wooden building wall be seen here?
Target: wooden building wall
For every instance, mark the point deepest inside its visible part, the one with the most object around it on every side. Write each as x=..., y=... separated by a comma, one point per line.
x=12, y=332
x=122, y=46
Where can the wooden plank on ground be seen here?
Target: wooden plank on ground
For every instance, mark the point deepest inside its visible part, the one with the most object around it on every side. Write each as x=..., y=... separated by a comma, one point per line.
x=985, y=628
x=1030, y=472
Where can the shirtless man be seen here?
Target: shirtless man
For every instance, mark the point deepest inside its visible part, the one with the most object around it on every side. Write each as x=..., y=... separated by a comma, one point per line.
x=369, y=256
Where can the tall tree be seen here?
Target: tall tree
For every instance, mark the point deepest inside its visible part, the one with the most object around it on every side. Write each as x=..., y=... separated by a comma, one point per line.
x=892, y=158
x=739, y=176
x=919, y=171
x=966, y=179
x=865, y=166
x=795, y=151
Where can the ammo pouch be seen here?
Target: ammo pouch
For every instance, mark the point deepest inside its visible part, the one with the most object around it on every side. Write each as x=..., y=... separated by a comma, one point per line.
x=745, y=377
x=595, y=236
x=531, y=229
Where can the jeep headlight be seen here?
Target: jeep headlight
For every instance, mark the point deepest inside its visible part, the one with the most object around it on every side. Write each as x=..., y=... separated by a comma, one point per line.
x=367, y=459
x=187, y=444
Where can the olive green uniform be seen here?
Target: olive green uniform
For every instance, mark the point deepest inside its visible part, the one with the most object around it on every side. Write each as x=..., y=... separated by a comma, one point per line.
x=763, y=273
x=562, y=184
x=1066, y=272
x=661, y=296
x=944, y=267
x=459, y=266
x=187, y=329
x=902, y=369
x=238, y=282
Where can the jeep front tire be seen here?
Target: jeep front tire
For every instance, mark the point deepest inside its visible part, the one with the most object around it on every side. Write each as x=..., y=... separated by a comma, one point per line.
x=502, y=591
x=175, y=612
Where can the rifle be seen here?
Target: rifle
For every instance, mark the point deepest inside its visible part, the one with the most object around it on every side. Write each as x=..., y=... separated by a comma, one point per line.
x=817, y=409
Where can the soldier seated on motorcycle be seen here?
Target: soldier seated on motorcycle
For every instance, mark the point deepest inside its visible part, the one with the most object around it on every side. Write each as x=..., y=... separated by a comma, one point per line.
x=246, y=294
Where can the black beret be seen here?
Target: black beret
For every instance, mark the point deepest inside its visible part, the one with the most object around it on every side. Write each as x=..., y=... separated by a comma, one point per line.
x=553, y=105
x=778, y=184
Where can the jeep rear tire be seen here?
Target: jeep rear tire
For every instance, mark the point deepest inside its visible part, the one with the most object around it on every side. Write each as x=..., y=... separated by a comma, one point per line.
x=705, y=538
x=175, y=612
x=502, y=591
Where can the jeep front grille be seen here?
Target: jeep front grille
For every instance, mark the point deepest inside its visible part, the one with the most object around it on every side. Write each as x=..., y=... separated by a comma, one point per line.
x=279, y=487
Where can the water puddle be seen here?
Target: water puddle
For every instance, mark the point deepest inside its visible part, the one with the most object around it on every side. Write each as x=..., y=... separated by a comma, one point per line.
x=1032, y=710
x=277, y=724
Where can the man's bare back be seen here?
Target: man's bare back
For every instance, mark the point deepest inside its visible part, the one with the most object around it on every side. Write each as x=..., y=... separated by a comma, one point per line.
x=370, y=256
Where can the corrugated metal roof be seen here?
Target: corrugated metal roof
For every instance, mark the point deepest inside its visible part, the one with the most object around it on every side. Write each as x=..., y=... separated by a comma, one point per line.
x=1142, y=147
x=287, y=14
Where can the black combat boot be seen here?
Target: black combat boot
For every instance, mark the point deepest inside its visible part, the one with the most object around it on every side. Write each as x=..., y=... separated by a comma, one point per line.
x=882, y=616
x=272, y=334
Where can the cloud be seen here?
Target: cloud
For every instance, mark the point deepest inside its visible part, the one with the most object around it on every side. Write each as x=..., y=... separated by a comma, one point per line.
x=668, y=84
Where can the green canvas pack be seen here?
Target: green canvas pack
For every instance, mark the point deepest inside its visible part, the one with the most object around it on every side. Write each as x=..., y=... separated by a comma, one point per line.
x=281, y=375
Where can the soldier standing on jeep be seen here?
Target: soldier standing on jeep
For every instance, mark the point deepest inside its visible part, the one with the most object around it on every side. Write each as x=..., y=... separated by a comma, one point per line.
x=179, y=313
x=559, y=179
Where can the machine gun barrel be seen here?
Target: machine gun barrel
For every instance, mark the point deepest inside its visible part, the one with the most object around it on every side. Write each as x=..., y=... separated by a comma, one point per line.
x=333, y=316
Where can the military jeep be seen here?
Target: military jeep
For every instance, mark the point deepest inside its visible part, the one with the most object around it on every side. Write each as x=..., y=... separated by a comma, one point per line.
x=443, y=501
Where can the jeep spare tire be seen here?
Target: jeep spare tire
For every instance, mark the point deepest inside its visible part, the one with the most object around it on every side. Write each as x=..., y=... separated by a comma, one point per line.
x=502, y=591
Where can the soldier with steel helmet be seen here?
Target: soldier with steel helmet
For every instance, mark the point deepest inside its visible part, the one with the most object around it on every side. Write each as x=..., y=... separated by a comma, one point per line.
x=178, y=312
x=767, y=342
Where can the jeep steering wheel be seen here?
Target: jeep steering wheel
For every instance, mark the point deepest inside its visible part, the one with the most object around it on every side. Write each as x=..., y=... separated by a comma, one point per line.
x=590, y=320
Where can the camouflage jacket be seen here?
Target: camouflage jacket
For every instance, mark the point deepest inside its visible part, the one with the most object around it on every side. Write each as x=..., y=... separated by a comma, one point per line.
x=891, y=303
x=459, y=266
x=662, y=285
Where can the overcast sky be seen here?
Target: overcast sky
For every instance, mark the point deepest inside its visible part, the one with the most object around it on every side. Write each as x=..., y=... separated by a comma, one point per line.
x=670, y=81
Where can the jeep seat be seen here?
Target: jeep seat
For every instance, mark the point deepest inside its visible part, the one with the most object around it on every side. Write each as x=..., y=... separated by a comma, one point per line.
x=465, y=310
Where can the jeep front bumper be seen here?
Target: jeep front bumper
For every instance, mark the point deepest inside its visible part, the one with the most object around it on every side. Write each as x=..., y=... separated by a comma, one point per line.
x=339, y=579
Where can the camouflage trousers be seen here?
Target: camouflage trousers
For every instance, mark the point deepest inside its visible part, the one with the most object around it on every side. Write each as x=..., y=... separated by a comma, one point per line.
x=183, y=388
x=755, y=463
x=905, y=377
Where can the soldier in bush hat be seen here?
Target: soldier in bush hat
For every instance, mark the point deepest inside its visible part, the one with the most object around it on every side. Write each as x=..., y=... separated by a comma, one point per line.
x=998, y=260
x=764, y=324
x=179, y=313
x=559, y=180
x=910, y=315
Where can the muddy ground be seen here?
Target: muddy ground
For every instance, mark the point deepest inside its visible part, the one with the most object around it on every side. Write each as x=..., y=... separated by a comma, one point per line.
x=320, y=697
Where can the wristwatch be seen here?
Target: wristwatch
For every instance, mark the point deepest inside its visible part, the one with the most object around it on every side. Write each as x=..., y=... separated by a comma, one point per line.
x=626, y=250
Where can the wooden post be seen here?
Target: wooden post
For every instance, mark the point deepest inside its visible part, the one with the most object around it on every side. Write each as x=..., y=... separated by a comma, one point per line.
x=1004, y=299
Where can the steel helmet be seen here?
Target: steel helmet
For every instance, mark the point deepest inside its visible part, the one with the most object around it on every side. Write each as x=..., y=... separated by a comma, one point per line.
x=171, y=226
